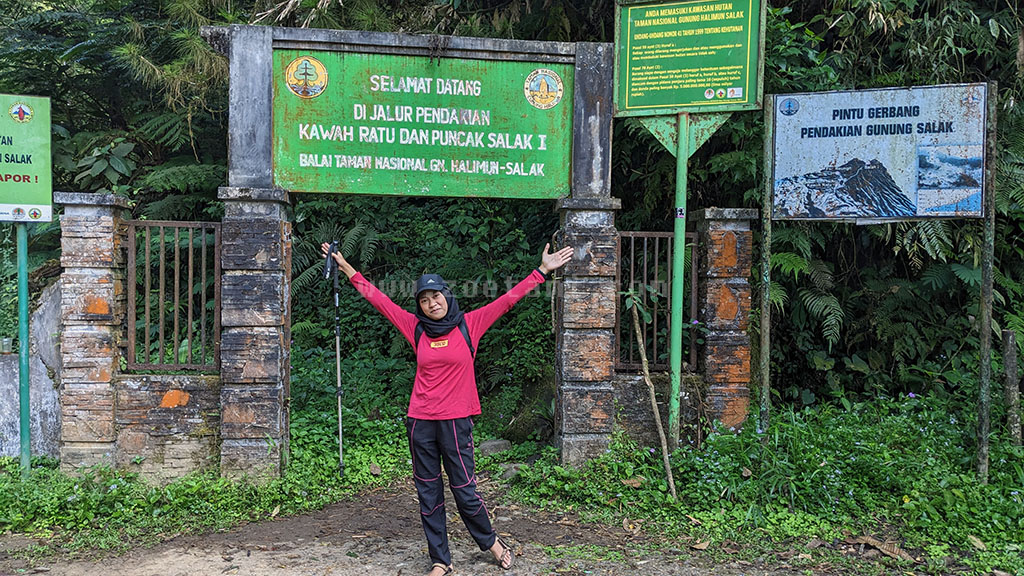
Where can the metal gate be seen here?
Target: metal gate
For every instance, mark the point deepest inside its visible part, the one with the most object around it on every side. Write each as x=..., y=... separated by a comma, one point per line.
x=645, y=260
x=173, y=283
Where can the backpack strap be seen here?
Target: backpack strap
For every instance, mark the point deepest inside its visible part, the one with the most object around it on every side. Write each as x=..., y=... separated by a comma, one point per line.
x=463, y=327
x=416, y=337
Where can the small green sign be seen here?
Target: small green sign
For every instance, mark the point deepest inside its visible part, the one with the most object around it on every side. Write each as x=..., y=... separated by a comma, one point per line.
x=26, y=190
x=696, y=56
x=360, y=123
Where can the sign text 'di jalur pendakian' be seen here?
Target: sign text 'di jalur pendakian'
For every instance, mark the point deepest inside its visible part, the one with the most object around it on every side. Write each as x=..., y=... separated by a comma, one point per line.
x=700, y=55
x=362, y=123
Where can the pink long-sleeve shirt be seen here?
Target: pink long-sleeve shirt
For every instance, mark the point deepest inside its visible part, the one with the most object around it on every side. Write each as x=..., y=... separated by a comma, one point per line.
x=445, y=384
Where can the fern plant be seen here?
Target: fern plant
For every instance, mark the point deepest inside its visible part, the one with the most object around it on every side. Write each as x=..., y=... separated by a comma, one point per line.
x=359, y=241
x=811, y=277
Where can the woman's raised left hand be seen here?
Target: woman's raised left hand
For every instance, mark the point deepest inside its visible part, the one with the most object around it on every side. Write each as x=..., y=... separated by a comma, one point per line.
x=550, y=262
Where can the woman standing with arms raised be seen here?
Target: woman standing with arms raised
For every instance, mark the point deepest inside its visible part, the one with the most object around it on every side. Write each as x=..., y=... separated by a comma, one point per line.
x=445, y=399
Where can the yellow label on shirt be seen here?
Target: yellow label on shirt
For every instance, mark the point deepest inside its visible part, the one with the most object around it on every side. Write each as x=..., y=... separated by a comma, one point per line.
x=439, y=344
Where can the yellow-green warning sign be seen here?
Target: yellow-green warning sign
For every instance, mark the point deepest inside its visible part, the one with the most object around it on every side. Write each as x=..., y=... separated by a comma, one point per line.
x=695, y=56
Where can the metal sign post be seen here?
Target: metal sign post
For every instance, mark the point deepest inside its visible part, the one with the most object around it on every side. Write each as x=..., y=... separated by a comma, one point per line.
x=23, y=380
x=25, y=197
x=683, y=67
x=678, y=250
x=987, y=279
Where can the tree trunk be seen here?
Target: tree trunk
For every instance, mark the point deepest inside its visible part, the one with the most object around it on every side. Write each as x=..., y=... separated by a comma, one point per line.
x=1012, y=387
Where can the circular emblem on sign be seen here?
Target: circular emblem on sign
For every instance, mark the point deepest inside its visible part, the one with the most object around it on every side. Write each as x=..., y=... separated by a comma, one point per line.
x=789, y=107
x=21, y=112
x=720, y=93
x=306, y=77
x=35, y=213
x=709, y=93
x=18, y=212
x=543, y=89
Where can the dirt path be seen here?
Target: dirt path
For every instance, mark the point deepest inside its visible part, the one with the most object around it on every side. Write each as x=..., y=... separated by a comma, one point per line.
x=379, y=533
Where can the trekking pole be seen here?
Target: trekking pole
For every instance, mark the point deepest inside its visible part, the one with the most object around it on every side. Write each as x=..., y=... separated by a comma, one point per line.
x=331, y=268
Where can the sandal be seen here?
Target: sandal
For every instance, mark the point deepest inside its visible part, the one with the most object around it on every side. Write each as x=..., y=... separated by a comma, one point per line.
x=508, y=557
x=448, y=569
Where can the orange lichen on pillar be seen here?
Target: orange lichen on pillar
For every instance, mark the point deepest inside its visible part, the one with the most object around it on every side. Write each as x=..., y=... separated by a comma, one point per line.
x=727, y=254
x=96, y=305
x=734, y=411
x=238, y=414
x=174, y=399
x=728, y=303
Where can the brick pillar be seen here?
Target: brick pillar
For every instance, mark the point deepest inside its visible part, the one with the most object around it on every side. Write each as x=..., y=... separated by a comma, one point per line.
x=92, y=313
x=585, y=341
x=726, y=244
x=255, y=333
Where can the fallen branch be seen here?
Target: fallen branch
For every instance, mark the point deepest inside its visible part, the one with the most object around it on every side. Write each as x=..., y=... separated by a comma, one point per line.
x=654, y=402
x=889, y=549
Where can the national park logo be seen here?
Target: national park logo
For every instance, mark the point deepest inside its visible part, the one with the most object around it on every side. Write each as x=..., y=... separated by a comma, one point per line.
x=306, y=77
x=789, y=107
x=35, y=213
x=543, y=89
x=21, y=112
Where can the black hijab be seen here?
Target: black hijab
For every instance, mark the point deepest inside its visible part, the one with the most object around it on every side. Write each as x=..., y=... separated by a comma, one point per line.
x=435, y=328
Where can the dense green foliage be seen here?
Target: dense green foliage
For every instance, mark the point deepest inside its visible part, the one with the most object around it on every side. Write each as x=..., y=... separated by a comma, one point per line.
x=863, y=310
x=39, y=250
x=863, y=316
x=860, y=309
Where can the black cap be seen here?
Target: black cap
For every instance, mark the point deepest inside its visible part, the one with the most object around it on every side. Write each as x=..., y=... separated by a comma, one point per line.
x=430, y=282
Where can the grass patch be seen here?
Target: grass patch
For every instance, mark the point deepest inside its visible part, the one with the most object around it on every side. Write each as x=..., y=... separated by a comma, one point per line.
x=102, y=509
x=897, y=469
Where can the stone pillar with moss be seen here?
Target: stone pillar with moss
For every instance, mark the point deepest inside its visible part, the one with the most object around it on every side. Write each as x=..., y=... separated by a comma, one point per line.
x=255, y=268
x=92, y=313
x=255, y=333
x=723, y=291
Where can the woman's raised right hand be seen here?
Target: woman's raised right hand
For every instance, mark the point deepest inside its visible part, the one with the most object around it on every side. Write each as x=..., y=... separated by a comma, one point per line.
x=343, y=264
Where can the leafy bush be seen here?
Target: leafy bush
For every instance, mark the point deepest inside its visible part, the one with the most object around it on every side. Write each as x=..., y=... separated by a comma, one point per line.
x=818, y=473
x=8, y=285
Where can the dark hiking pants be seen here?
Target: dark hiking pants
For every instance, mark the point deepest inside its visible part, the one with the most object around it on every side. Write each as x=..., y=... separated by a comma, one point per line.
x=432, y=442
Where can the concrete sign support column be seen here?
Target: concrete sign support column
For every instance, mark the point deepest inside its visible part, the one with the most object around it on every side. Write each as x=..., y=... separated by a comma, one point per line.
x=585, y=340
x=255, y=270
x=92, y=311
x=723, y=290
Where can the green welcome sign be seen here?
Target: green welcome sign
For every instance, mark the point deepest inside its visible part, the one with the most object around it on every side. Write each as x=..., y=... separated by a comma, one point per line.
x=694, y=56
x=26, y=190
x=360, y=123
